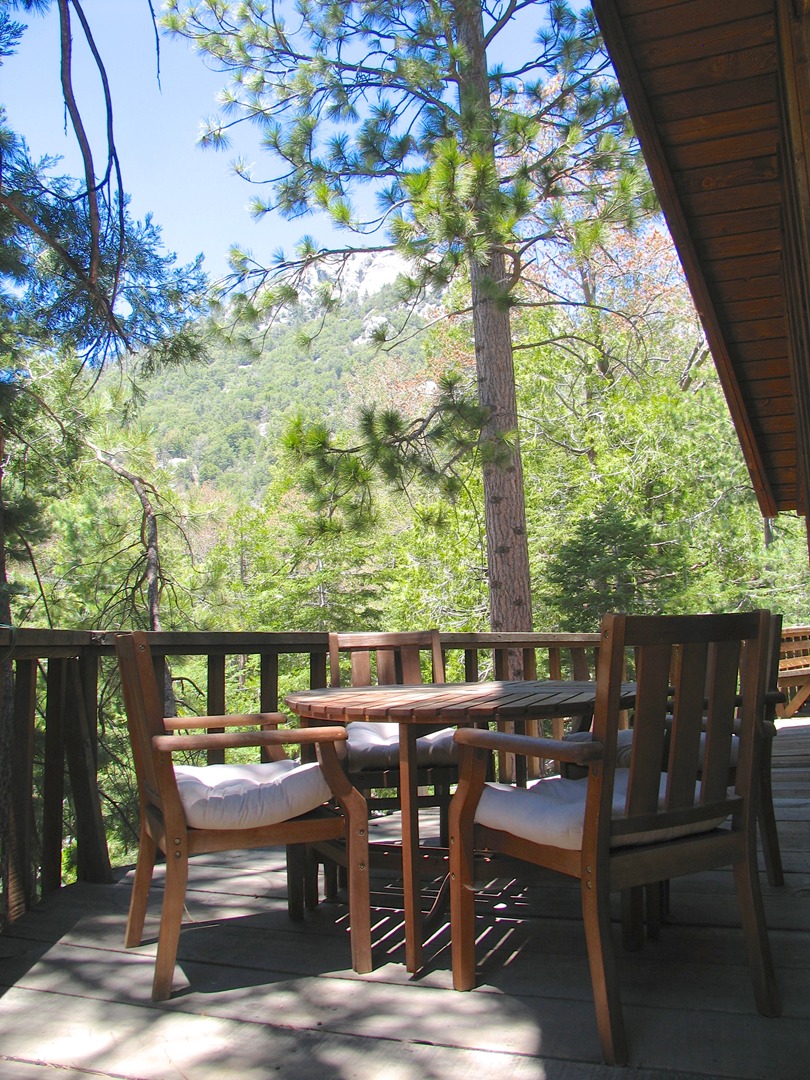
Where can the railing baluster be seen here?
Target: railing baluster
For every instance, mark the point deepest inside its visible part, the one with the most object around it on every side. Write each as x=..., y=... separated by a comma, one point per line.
x=21, y=884
x=268, y=689
x=471, y=665
x=317, y=670
x=53, y=778
x=92, y=856
x=216, y=700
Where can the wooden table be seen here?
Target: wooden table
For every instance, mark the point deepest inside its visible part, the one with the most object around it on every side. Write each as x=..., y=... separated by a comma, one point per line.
x=432, y=706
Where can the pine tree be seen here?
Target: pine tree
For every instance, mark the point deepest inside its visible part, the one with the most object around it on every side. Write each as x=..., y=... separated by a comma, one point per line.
x=397, y=101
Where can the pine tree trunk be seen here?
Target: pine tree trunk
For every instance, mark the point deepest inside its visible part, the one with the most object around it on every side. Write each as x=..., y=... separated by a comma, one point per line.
x=504, y=504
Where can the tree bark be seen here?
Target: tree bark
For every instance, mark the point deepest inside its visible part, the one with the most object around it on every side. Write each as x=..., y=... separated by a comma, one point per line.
x=504, y=503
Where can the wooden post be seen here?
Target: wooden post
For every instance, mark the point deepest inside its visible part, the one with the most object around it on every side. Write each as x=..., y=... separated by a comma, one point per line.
x=268, y=689
x=471, y=665
x=317, y=670
x=216, y=700
x=20, y=883
x=53, y=778
x=93, y=860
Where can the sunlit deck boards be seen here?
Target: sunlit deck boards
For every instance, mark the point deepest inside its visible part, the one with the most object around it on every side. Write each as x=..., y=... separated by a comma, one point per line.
x=271, y=998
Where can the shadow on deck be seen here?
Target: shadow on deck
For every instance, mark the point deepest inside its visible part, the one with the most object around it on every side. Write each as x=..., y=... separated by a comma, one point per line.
x=258, y=996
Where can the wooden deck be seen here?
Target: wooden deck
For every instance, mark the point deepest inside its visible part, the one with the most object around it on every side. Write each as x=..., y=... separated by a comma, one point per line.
x=258, y=996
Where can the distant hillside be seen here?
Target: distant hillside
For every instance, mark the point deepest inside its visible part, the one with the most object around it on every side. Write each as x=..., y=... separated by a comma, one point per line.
x=219, y=423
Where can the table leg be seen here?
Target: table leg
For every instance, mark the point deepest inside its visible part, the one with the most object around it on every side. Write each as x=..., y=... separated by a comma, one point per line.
x=412, y=892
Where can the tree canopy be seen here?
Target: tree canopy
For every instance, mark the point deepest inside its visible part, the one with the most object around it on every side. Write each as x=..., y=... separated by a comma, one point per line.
x=394, y=120
x=82, y=286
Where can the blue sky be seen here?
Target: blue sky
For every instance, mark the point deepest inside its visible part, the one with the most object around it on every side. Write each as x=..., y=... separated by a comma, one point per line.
x=191, y=193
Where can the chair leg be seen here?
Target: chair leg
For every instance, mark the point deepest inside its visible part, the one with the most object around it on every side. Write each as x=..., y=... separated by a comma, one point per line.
x=665, y=892
x=296, y=880
x=174, y=895
x=632, y=902
x=604, y=977
x=462, y=906
x=147, y=852
x=752, y=913
x=359, y=892
x=442, y=795
x=767, y=819
x=653, y=904
x=312, y=865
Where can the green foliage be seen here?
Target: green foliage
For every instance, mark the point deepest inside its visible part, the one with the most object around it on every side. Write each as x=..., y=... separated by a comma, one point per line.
x=611, y=561
x=391, y=118
x=384, y=116
x=435, y=449
x=135, y=298
x=42, y=424
x=221, y=422
x=81, y=285
x=630, y=457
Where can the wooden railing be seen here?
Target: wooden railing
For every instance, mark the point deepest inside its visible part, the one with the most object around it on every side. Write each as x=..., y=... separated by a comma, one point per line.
x=794, y=669
x=541, y=655
x=50, y=728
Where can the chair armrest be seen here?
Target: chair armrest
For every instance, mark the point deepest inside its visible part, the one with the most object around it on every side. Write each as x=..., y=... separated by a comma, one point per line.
x=186, y=723
x=579, y=753
x=231, y=740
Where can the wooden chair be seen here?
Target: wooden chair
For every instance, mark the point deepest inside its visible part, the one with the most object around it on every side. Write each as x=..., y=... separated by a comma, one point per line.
x=186, y=810
x=624, y=828
x=765, y=810
x=372, y=758
x=766, y=815
x=654, y=906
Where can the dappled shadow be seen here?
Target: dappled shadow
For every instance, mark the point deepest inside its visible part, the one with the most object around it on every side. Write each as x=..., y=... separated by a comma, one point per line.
x=29, y=938
x=257, y=995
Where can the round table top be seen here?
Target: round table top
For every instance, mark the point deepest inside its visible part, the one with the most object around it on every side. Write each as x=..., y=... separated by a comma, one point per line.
x=446, y=702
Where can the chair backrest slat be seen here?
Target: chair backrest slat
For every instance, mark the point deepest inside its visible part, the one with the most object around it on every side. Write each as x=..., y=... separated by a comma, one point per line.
x=361, y=669
x=720, y=713
x=774, y=653
x=714, y=687
x=687, y=723
x=396, y=657
x=652, y=696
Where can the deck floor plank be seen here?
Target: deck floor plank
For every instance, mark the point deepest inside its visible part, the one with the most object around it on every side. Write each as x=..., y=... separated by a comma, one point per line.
x=257, y=995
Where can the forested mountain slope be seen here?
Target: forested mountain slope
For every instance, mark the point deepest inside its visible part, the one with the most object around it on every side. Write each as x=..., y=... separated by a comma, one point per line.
x=220, y=423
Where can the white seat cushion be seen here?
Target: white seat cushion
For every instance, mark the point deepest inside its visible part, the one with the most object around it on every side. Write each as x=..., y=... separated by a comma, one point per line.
x=376, y=746
x=552, y=811
x=624, y=746
x=249, y=796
